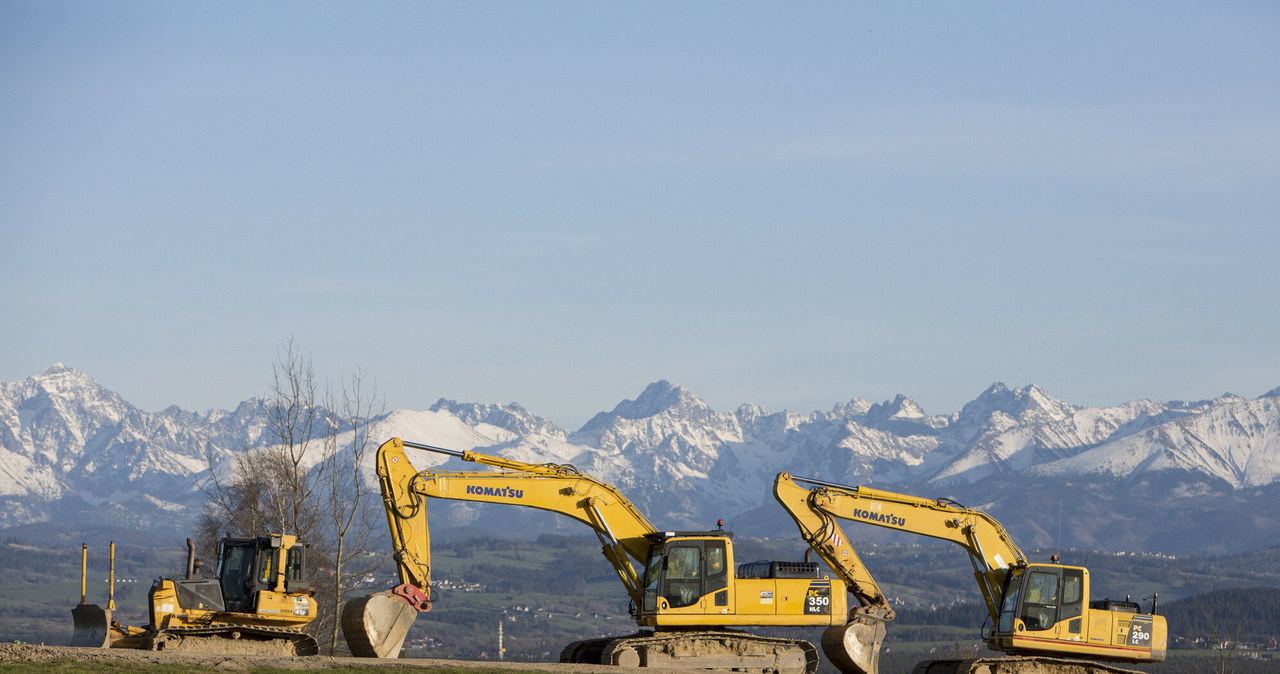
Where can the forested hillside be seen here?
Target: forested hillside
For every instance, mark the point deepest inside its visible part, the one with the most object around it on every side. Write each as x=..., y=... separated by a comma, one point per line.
x=553, y=590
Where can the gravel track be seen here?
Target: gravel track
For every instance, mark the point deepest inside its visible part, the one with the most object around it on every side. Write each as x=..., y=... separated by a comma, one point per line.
x=31, y=653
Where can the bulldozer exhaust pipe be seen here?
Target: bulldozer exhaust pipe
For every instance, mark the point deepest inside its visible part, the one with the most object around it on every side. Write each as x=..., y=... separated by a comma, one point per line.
x=191, y=559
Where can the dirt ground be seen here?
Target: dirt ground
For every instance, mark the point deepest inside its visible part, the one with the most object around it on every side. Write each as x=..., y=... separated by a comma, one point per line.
x=30, y=653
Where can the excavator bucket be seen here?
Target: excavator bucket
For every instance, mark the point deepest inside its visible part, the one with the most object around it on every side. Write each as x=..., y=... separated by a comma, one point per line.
x=375, y=626
x=92, y=626
x=854, y=648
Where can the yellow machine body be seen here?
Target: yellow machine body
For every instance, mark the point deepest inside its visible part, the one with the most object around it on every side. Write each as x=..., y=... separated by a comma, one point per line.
x=1046, y=610
x=259, y=603
x=1038, y=610
x=684, y=586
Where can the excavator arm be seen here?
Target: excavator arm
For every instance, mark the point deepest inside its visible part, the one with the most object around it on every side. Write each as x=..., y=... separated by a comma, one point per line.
x=376, y=625
x=991, y=550
x=816, y=506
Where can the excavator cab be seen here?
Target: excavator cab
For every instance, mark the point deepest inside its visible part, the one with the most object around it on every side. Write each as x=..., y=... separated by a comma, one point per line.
x=683, y=568
x=1041, y=597
x=1045, y=608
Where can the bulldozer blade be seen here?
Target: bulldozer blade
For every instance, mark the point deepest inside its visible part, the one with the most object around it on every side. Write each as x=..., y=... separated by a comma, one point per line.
x=375, y=626
x=92, y=626
x=854, y=648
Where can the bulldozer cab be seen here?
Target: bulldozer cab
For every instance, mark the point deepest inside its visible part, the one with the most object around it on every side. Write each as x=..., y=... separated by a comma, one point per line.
x=683, y=568
x=247, y=566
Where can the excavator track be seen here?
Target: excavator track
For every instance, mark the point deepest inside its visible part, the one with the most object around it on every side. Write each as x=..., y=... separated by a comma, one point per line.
x=719, y=650
x=1019, y=665
x=236, y=639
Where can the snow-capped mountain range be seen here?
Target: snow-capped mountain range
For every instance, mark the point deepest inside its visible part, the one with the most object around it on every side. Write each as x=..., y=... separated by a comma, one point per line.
x=1166, y=476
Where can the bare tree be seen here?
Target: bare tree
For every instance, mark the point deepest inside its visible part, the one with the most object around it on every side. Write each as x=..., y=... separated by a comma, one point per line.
x=351, y=515
x=275, y=488
x=305, y=478
x=237, y=503
x=293, y=484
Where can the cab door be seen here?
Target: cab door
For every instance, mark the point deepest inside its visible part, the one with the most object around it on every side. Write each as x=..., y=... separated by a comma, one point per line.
x=1040, y=592
x=1053, y=601
x=695, y=576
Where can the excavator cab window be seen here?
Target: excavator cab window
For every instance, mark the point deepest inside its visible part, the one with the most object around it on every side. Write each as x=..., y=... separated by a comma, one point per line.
x=1040, y=600
x=1009, y=602
x=1072, y=598
x=652, y=574
x=684, y=575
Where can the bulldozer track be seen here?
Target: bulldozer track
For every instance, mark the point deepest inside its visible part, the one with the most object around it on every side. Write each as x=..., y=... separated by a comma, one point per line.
x=240, y=639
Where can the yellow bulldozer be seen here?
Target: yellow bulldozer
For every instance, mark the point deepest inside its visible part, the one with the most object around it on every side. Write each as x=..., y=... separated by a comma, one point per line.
x=259, y=603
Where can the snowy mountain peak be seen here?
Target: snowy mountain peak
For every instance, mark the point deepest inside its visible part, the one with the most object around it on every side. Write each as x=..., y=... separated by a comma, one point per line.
x=511, y=417
x=856, y=407
x=1018, y=403
x=661, y=398
x=657, y=398
x=901, y=407
x=62, y=380
x=665, y=419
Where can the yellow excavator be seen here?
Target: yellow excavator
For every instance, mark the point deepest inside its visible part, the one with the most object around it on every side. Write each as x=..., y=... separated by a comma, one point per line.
x=259, y=604
x=688, y=595
x=1041, y=614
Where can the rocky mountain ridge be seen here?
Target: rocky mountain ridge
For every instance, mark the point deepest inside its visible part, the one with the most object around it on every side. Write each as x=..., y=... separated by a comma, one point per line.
x=71, y=449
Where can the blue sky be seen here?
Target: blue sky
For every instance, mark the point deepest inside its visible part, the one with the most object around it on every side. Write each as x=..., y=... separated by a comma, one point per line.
x=559, y=203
